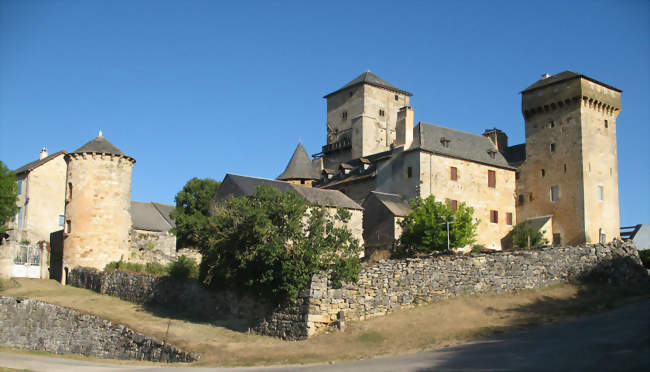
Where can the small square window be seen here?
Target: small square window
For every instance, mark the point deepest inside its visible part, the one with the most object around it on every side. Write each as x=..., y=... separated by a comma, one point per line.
x=396, y=97
x=409, y=172
x=351, y=93
x=454, y=173
x=68, y=226
x=557, y=239
x=453, y=205
x=492, y=179
x=509, y=218
x=494, y=217
x=543, y=172
x=551, y=124
x=521, y=199
x=530, y=197
x=382, y=113
x=344, y=115
x=61, y=220
x=601, y=193
x=555, y=193
x=552, y=147
x=606, y=124
x=20, y=187
x=564, y=168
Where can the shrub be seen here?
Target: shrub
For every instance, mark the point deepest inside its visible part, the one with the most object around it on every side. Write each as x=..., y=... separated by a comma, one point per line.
x=523, y=231
x=182, y=268
x=645, y=258
x=478, y=248
x=155, y=268
x=272, y=243
x=424, y=230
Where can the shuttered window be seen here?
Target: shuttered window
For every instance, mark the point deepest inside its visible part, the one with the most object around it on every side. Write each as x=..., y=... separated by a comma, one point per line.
x=492, y=178
x=494, y=216
x=454, y=173
x=509, y=218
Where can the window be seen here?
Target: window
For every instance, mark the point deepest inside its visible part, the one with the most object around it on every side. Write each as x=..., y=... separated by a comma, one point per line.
x=68, y=226
x=516, y=175
x=606, y=124
x=492, y=179
x=409, y=172
x=557, y=239
x=453, y=205
x=492, y=154
x=20, y=217
x=564, y=168
x=509, y=218
x=543, y=172
x=351, y=93
x=396, y=97
x=552, y=147
x=344, y=115
x=20, y=187
x=555, y=193
x=454, y=173
x=602, y=238
x=530, y=197
x=551, y=124
x=444, y=142
x=302, y=182
x=61, y=220
x=494, y=217
x=382, y=112
x=521, y=199
x=69, y=191
x=601, y=193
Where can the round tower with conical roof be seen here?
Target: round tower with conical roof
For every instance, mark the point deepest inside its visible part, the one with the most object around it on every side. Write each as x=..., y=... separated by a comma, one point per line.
x=97, y=210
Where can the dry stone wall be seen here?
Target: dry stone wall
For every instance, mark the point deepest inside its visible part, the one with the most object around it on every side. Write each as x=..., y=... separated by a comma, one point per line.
x=35, y=325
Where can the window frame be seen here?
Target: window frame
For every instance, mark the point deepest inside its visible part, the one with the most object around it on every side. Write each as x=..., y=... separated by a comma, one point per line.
x=494, y=216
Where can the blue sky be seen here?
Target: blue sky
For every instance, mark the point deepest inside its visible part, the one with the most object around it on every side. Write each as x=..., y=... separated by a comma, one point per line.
x=202, y=88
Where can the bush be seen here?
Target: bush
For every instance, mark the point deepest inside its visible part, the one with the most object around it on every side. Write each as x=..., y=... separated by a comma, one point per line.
x=272, y=243
x=645, y=258
x=523, y=231
x=478, y=248
x=424, y=230
x=153, y=268
x=182, y=268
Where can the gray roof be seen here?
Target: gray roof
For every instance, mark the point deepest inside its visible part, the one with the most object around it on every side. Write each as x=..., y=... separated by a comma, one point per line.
x=101, y=145
x=641, y=236
x=516, y=154
x=537, y=222
x=461, y=145
x=299, y=167
x=235, y=185
x=562, y=76
x=394, y=203
x=37, y=163
x=151, y=216
x=370, y=79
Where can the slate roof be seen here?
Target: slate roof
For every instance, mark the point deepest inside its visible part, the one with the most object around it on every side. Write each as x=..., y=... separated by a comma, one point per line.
x=394, y=203
x=515, y=155
x=299, y=167
x=461, y=145
x=537, y=222
x=37, y=163
x=562, y=76
x=151, y=216
x=370, y=79
x=101, y=145
x=235, y=185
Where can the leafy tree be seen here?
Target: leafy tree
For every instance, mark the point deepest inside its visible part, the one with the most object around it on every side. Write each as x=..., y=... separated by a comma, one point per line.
x=272, y=243
x=523, y=231
x=8, y=197
x=182, y=268
x=193, y=209
x=425, y=231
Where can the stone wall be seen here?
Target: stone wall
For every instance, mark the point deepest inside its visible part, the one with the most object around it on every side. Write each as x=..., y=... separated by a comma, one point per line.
x=151, y=246
x=34, y=325
x=191, y=300
x=382, y=287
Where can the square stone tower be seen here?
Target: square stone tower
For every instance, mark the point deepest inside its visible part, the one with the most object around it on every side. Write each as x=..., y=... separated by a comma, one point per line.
x=571, y=170
x=362, y=118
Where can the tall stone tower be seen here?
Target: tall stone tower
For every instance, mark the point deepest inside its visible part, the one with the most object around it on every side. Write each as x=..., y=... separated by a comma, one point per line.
x=97, y=210
x=362, y=118
x=571, y=170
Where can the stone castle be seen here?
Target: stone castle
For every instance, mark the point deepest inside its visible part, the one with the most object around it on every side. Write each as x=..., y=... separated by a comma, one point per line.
x=563, y=179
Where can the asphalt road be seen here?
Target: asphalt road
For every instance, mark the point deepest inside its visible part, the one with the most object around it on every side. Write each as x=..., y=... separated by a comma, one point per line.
x=618, y=340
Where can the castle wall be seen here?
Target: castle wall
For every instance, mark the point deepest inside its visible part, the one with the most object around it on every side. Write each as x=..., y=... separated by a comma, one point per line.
x=44, y=187
x=393, y=177
x=97, y=212
x=471, y=188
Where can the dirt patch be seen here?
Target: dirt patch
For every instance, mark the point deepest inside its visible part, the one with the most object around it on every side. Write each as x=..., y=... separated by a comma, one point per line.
x=441, y=324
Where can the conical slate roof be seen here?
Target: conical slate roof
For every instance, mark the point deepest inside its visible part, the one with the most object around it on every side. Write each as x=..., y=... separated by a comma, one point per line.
x=562, y=76
x=299, y=166
x=370, y=79
x=101, y=145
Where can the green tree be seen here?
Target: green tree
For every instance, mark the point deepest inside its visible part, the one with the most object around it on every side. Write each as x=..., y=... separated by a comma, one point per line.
x=8, y=196
x=425, y=231
x=521, y=234
x=272, y=243
x=193, y=209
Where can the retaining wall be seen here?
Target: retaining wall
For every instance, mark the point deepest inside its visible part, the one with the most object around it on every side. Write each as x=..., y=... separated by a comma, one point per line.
x=35, y=325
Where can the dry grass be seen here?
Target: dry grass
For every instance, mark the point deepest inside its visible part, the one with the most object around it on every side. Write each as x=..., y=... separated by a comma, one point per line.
x=437, y=325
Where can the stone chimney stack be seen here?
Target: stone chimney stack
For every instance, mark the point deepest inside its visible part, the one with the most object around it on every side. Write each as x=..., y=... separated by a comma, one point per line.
x=498, y=137
x=404, y=127
x=43, y=154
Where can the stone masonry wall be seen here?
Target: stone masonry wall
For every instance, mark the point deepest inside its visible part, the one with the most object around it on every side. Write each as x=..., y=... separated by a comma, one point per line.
x=391, y=285
x=34, y=325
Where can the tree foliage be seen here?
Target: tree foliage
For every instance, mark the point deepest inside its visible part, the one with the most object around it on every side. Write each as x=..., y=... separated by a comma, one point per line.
x=272, y=243
x=523, y=231
x=8, y=196
x=425, y=231
x=193, y=209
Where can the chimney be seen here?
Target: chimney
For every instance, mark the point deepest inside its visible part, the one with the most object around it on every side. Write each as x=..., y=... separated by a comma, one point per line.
x=498, y=138
x=43, y=154
x=546, y=76
x=404, y=128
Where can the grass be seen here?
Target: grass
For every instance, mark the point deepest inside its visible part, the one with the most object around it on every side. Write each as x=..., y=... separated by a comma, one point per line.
x=437, y=325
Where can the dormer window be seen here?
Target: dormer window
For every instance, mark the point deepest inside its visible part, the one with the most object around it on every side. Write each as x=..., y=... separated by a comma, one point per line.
x=444, y=142
x=492, y=153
